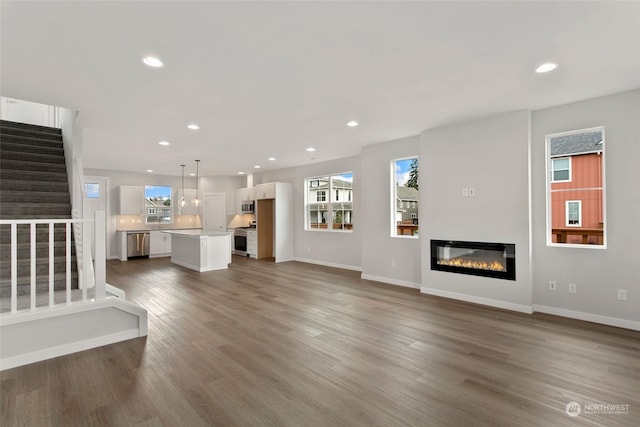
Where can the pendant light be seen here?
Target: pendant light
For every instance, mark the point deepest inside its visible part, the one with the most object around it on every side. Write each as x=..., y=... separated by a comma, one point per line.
x=183, y=202
x=196, y=201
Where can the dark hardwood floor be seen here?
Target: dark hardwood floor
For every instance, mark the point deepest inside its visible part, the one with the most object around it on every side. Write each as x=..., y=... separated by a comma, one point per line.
x=295, y=344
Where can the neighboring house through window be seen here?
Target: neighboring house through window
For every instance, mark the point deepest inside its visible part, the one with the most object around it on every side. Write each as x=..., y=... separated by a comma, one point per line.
x=404, y=212
x=157, y=200
x=324, y=214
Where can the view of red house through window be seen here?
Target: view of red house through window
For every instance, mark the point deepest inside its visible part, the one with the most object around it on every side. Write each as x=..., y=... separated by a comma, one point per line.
x=576, y=202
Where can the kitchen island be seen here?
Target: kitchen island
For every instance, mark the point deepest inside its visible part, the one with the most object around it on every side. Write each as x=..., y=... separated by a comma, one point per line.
x=201, y=250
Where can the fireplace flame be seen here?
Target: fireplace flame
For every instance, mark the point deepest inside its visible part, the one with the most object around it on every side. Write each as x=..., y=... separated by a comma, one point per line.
x=479, y=265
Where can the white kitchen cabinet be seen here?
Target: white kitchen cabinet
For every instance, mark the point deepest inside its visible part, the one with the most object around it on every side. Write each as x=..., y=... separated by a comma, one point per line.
x=252, y=243
x=244, y=195
x=265, y=191
x=159, y=244
x=131, y=200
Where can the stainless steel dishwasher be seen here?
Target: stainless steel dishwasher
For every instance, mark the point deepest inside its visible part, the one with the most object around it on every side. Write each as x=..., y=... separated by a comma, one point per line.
x=138, y=244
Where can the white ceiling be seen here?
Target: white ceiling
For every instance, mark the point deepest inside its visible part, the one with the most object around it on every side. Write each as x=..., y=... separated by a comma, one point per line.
x=273, y=78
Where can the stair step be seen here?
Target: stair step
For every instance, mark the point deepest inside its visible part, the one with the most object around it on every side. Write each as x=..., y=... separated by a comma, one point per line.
x=35, y=210
x=42, y=233
x=31, y=141
x=28, y=196
x=21, y=186
x=42, y=249
x=42, y=284
x=27, y=176
x=37, y=131
x=22, y=147
x=55, y=159
x=42, y=267
x=25, y=165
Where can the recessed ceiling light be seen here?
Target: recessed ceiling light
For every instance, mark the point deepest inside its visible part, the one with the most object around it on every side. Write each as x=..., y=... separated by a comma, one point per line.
x=310, y=149
x=152, y=61
x=546, y=67
x=257, y=166
x=352, y=124
x=192, y=174
x=165, y=143
x=193, y=126
x=240, y=173
x=271, y=159
x=150, y=170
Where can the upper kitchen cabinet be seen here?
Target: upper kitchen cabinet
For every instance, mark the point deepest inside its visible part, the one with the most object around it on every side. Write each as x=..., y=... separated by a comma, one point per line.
x=131, y=200
x=244, y=195
x=265, y=191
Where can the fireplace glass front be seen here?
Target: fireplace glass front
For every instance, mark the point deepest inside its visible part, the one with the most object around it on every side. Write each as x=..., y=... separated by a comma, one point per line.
x=497, y=260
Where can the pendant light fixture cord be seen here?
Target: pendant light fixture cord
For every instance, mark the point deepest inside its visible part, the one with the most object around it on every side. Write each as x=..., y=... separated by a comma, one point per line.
x=196, y=201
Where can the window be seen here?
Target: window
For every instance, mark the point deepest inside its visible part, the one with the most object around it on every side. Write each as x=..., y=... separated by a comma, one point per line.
x=576, y=188
x=404, y=211
x=561, y=169
x=573, y=213
x=92, y=190
x=157, y=200
x=335, y=214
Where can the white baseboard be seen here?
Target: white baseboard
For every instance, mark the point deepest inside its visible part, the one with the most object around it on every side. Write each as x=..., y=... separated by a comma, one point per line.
x=51, y=352
x=390, y=281
x=328, y=264
x=589, y=317
x=478, y=300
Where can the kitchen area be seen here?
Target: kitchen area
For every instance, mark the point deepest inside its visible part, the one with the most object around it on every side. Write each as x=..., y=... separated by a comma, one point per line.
x=149, y=224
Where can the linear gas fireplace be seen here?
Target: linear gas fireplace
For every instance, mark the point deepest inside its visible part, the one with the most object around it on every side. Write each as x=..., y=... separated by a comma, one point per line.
x=477, y=258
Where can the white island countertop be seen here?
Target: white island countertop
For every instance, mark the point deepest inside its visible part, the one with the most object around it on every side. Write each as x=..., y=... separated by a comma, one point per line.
x=198, y=233
x=201, y=250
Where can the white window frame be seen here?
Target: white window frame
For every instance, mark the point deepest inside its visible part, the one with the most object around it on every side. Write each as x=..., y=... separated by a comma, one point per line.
x=566, y=213
x=394, y=201
x=553, y=170
x=328, y=204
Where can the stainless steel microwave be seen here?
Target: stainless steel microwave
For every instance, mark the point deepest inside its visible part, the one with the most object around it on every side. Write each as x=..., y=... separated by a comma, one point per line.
x=248, y=206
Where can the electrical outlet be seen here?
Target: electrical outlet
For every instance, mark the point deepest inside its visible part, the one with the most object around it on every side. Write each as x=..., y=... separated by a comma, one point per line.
x=552, y=285
x=472, y=192
x=572, y=288
x=622, y=294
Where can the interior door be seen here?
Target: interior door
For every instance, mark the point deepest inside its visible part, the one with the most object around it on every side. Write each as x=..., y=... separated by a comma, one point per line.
x=95, y=199
x=215, y=216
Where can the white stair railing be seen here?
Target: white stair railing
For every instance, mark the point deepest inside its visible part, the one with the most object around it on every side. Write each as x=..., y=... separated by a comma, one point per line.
x=86, y=273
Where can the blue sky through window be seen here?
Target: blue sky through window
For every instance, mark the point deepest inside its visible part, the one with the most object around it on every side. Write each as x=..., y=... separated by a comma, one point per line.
x=157, y=191
x=402, y=171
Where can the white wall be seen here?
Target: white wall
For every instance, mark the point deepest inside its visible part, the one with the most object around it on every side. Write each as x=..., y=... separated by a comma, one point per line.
x=338, y=249
x=598, y=273
x=221, y=184
x=379, y=249
x=492, y=156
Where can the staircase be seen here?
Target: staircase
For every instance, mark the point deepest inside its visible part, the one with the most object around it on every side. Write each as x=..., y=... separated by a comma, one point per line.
x=33, y=185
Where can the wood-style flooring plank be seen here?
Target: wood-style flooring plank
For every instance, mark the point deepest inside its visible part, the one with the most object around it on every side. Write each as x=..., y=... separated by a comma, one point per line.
x=293, y=344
